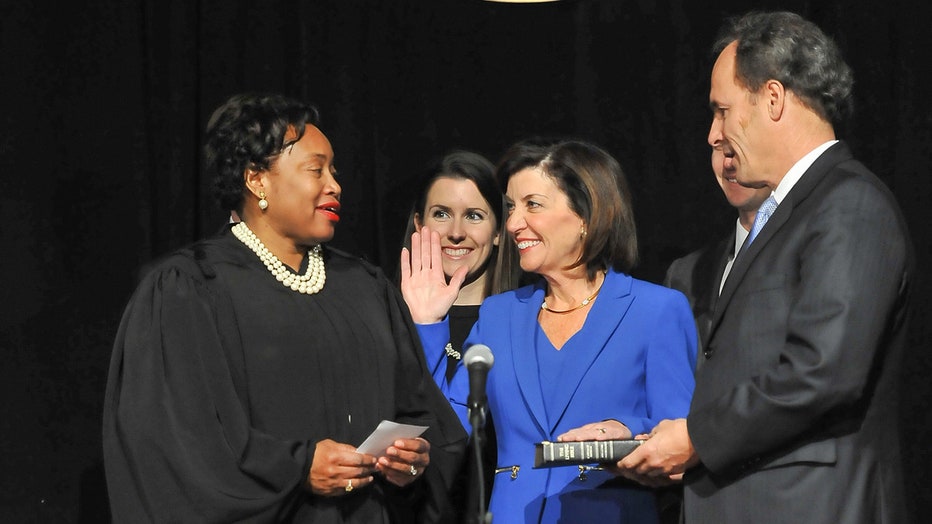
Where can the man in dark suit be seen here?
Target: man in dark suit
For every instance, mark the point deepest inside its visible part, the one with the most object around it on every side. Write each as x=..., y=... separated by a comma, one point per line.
x=701, y=274
x=794, y=414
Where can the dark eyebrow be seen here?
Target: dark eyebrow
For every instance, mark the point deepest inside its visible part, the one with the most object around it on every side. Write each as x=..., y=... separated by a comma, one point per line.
x=316, y=156
x=310, y=157
x=534, y=195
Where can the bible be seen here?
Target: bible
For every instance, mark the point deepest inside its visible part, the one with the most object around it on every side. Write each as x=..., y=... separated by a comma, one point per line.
x=550, y=454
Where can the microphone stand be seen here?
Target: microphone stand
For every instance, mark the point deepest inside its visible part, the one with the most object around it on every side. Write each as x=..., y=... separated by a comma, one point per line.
x=477, y=421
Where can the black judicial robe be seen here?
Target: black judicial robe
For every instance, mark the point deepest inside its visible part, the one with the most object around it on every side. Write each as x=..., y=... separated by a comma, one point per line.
x=222, y=381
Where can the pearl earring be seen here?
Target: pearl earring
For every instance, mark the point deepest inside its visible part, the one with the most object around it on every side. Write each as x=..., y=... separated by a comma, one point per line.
x=582, y=232
x=263, y=203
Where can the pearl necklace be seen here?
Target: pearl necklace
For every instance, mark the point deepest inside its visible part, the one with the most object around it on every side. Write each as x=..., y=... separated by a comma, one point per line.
x=309, y=283
x=585, y=302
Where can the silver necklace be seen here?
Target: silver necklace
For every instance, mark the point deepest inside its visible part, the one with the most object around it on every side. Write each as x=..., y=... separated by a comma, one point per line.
x=309, y=283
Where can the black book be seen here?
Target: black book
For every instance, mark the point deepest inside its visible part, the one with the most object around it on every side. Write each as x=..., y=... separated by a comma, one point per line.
x=550, y=454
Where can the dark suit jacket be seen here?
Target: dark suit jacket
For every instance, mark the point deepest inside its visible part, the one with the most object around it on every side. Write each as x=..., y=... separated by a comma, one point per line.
x=794, y=414
x=698, y=275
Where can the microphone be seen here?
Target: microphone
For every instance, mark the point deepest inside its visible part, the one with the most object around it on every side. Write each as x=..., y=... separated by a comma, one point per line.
x=478, y=359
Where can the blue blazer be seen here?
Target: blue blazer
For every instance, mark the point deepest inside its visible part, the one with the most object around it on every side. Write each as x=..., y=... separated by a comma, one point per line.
x=633, y=360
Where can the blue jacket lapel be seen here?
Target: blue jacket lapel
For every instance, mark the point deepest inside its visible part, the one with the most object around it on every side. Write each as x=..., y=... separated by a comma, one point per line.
x=523, y=327
x=584, y=347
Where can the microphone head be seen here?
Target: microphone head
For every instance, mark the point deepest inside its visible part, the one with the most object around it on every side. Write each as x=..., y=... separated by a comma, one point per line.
x=478, y=355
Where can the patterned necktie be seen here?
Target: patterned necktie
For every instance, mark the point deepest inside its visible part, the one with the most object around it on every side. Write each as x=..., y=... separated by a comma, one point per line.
x=763, y=215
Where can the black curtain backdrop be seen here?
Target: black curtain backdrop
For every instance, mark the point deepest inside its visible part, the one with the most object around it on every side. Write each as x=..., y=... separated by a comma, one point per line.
x=104, y=103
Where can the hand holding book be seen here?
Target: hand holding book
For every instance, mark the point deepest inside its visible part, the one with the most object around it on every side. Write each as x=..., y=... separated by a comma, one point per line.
x=603, y=442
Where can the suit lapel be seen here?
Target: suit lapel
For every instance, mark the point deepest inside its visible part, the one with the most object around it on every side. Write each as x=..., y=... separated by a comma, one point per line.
x=523, y=331
x=708, y=279
x=708, y=274
x=816, y=172
x=747, y=254
x=583, y=348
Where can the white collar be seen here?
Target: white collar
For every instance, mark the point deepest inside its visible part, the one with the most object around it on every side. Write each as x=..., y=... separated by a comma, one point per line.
x=741, y=235
x=799, y=168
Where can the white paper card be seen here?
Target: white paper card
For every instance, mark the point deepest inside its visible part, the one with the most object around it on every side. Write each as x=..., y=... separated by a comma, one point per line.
x=386, y=434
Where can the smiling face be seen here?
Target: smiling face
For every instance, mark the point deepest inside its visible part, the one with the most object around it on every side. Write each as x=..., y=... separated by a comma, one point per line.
x=739, y=124
x=744, y=199
x=542, y=224
x=465, y=221
x=303, y=195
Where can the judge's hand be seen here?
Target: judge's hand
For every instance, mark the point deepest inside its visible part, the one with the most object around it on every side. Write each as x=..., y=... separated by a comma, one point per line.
x=605, y=430
x=337, y=469
x=423, y=283
x=666, y=453
x=404, y=462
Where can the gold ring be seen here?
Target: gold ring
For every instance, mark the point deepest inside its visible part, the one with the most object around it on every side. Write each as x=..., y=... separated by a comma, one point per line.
x=602, y=430
x=349, y=485
x=413, y=471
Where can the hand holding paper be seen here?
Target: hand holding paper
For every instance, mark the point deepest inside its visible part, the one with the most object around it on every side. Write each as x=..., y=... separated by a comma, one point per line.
x=402, y=454
x=386, y=434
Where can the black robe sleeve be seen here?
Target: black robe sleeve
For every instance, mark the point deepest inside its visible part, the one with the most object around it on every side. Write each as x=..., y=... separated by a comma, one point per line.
x=178, y=446
x=180, y=443
x=421, y=402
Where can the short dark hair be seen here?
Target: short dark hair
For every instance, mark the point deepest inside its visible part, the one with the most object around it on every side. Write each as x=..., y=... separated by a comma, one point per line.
x=246, y=132
x=786, y=47
x=597, y=190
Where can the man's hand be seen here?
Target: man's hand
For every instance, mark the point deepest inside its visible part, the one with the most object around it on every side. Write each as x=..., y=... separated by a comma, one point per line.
x=667, y=452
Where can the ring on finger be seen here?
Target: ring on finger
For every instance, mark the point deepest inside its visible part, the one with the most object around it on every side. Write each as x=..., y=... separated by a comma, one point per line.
x=413, y=471
x=349, y=485
x=601, y=430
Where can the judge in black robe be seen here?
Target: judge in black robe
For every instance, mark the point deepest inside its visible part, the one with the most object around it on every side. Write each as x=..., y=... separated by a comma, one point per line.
x=225, y=386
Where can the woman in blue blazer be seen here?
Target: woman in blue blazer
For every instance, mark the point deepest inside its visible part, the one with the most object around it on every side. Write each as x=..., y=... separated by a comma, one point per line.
x=588, y=352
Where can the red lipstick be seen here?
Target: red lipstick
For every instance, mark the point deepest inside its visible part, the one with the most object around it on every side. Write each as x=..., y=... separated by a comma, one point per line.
x=331, y=210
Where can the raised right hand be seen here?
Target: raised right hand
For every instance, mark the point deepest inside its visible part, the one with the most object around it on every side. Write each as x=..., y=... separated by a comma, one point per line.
x=424, y=286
